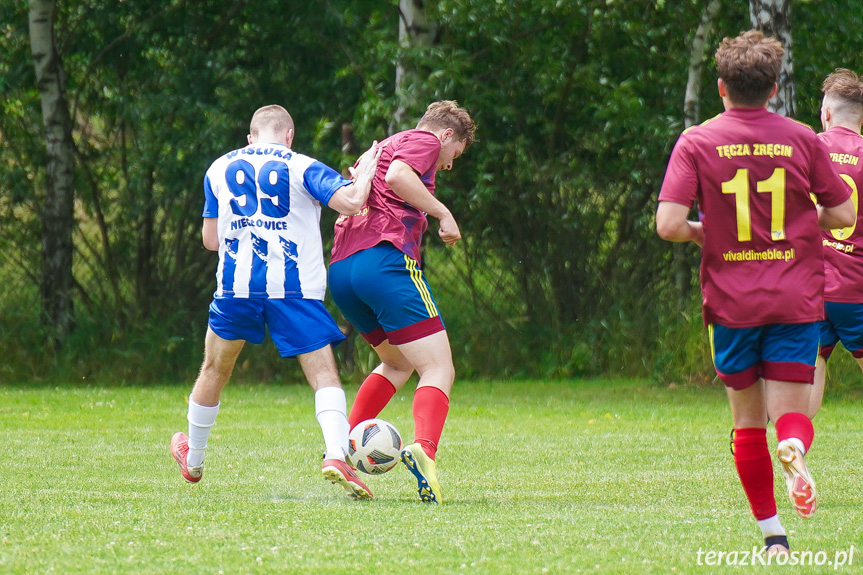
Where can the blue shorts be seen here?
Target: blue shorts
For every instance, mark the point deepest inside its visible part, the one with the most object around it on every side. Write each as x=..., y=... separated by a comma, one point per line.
x=779, y=351
x=383, y=293
x=844, y=323
x=296, y=325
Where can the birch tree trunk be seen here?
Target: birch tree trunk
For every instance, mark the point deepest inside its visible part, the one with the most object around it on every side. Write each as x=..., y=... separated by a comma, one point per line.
x=692, y=100
x=57, y=215
x=416, y=30
x=683, y=261
x=773, y=17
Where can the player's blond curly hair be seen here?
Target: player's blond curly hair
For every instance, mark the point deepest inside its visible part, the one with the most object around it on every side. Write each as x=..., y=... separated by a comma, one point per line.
x=447, y=114
x=749, y=65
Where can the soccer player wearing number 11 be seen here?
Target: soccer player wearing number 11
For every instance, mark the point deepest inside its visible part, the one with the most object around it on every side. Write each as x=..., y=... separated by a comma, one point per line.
x=762, y=267
x=262, y=214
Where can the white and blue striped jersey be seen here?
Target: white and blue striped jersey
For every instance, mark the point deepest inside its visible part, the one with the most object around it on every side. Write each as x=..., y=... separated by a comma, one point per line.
x=267, y=199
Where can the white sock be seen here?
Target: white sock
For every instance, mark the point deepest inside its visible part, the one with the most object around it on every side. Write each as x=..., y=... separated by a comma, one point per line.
x=797, y=443
x=771, y=526
x=201, y=420
x=331, y=412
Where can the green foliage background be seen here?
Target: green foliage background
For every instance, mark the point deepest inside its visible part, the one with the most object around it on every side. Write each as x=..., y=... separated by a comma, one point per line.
x=560, y=272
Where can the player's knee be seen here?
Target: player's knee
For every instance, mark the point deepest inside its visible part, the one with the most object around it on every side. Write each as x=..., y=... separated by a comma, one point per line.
x=398, y=365
x=216, y=370
x=451, y=374
x=324, y=378
x=442, y=371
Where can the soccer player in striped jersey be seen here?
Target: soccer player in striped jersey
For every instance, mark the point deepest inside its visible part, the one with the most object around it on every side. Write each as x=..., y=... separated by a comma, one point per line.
x=378, y=284
x=762, y=266
x=262, y=213
x=841, y=117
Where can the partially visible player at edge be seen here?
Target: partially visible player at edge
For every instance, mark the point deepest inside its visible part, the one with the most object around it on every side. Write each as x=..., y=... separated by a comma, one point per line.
x=262, y=214
x=762, y=267
x=841, y=117
x=377, y=282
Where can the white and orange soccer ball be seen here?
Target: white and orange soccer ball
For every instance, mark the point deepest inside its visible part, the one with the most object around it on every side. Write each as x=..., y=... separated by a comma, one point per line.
x=374, y=446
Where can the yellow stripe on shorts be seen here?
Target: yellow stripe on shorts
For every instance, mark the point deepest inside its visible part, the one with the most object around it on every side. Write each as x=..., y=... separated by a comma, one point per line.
x=712, y=345
x=422, y=288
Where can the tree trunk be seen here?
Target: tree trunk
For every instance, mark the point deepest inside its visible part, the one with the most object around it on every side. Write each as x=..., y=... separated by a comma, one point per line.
x=773, y=17
x=692, y=100
x=146, y=253
x=683, y=262
x=416, y=30
x=58, y=215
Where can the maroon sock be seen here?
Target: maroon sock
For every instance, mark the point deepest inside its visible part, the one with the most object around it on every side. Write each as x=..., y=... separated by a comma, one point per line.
x=755, y=469
x=795, y=425
x=373, y=395
x=430, y=408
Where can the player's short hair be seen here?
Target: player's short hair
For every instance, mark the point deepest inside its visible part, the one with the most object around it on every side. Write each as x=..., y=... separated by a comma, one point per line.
x=749, y=65
x=447, y=114
x=843, y=92
x=271, y=118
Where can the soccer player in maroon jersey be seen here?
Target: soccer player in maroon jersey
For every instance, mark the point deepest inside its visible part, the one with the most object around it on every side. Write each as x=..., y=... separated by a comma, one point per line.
x=377, y=283
x=841, y=117
x=762, y=267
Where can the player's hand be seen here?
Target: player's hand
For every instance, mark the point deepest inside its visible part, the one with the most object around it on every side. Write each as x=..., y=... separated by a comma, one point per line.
x=367, y=164
x=448, y=231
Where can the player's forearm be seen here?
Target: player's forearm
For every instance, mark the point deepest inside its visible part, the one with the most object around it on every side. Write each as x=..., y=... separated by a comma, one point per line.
x=672, y=225
x=349, y=199
x=839, y=216
x=360, y=190
x=686, y=231
x=410, y=188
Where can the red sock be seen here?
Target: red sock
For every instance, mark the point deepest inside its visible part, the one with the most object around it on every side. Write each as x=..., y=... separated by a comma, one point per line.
x=372, y=397
x=430, y=408
x=755, y=469
x=795, y=425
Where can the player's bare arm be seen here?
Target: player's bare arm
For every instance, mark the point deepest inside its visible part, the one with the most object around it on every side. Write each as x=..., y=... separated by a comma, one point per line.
x=405, y=182
x=840, y=216
x=672, y=225
x=348, y=200
x=210, y=234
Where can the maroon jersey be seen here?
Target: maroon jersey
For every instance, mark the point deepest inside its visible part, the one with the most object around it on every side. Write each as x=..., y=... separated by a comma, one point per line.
x=752, y=172
x=843, y=248
x=386, y=217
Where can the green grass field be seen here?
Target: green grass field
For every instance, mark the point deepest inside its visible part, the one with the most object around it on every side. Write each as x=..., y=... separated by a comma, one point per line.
x=566, y=477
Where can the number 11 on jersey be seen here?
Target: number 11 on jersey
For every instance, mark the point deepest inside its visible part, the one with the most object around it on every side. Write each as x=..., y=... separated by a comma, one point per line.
x=774, y=185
